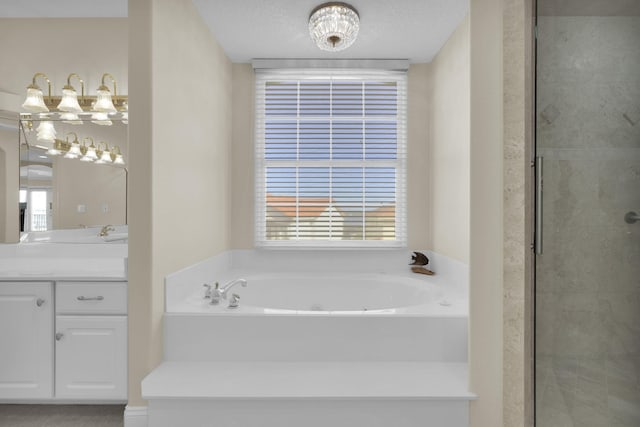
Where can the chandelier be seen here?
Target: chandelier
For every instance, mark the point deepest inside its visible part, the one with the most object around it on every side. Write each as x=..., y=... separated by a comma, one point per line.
x=70, y=108
x=334, y=26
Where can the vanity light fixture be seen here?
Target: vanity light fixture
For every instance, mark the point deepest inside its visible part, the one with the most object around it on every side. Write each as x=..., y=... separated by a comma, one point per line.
x=104, y=103
x=71, y=118
x=116, y=155
x=125, y=113
x=334, y=26
x=90, y=154
x=102, y=119
x=56, y=148
x=70, y=105
x=45, y=131
x=69, y=102
x=35, y=101
x=74, y=147
x=104, y=156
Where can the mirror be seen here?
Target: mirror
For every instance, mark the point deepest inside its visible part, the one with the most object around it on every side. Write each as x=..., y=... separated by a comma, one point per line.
x=61, y=193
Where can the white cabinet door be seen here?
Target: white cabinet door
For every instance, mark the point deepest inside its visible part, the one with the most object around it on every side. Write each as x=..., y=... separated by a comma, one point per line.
x=91, y=357
x=26, y=340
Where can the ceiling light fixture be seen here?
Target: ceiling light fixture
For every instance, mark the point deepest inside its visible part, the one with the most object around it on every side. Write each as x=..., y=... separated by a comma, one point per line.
x=334, y=26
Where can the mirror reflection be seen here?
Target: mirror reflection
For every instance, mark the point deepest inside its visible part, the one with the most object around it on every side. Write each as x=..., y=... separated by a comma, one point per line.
x=73, y=179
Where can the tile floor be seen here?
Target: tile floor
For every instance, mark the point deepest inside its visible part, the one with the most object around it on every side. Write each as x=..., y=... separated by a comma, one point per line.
x=61, y=415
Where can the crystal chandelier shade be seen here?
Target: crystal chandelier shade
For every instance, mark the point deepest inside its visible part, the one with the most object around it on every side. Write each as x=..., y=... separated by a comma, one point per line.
x=334, y=26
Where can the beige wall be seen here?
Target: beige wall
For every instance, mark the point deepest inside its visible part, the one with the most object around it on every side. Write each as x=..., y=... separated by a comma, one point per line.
x=419, y=201
x=9, y=173
x=242, y=158
x=448, y=116
x=179, y=197
x=486, y=223
x=23, y=42
x=98, y=188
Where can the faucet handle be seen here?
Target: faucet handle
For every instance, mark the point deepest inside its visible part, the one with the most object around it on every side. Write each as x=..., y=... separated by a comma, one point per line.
x=207, y=292
x=234, y=301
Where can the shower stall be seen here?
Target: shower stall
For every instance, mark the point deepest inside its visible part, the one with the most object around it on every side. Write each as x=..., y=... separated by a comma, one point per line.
x=587, y=286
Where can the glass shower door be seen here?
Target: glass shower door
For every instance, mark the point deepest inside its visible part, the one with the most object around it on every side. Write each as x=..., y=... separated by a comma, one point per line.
x=587, y=317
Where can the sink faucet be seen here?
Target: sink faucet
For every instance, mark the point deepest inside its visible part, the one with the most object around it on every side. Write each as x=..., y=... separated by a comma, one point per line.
x=225, y=289
x=105, y=230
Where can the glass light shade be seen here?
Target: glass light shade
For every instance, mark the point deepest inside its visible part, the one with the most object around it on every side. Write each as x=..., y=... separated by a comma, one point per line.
x=103, y=102
x=46, y=131
x=119, y=160
x=74, y=152
x=334, y=27
x=34, y=101
x=71, y=118
x=69, y=101
x=105, y=157
x=54, y=151
x=90, y=155
x=125, y=117
x=101, y=119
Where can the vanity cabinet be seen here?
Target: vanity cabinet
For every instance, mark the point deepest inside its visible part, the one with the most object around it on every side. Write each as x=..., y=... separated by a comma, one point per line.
x=73, y=350
x=91, y=340
x=26, y=347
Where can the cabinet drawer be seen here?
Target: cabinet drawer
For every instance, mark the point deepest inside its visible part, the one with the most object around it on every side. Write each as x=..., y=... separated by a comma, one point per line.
x=91, y=298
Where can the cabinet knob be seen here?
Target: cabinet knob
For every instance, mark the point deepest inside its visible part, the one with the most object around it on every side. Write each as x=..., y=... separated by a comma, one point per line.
x=39, y=302
x=59, y=336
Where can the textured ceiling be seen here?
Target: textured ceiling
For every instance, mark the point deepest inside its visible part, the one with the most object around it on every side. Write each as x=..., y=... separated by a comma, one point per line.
x=250, y=29
x=389, y=29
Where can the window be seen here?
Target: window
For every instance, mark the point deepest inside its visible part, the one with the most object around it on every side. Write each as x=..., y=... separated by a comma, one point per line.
x=330, y=158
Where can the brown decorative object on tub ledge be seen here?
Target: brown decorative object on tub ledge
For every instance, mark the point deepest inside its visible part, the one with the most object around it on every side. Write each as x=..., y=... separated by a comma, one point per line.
x=422, y=270
x=419, y=258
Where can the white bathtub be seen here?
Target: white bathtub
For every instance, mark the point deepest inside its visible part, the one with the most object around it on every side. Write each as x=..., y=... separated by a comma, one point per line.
x=345, y=348
x=331, y=294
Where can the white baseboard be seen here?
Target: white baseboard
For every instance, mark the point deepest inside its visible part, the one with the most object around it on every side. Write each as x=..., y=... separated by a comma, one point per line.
x=135, y=416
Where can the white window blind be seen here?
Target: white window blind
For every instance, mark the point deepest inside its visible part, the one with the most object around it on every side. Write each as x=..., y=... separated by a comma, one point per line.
x=330, y=158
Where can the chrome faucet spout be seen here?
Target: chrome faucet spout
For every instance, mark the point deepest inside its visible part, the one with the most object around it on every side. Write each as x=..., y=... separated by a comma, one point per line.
x=225, y=289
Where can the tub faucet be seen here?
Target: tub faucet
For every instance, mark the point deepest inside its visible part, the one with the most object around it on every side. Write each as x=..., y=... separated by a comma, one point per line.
x=223, y=290
x=212, y=293
x=105, y=230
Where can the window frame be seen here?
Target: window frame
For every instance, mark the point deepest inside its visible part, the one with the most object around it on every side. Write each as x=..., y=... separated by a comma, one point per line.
x=261, y=163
